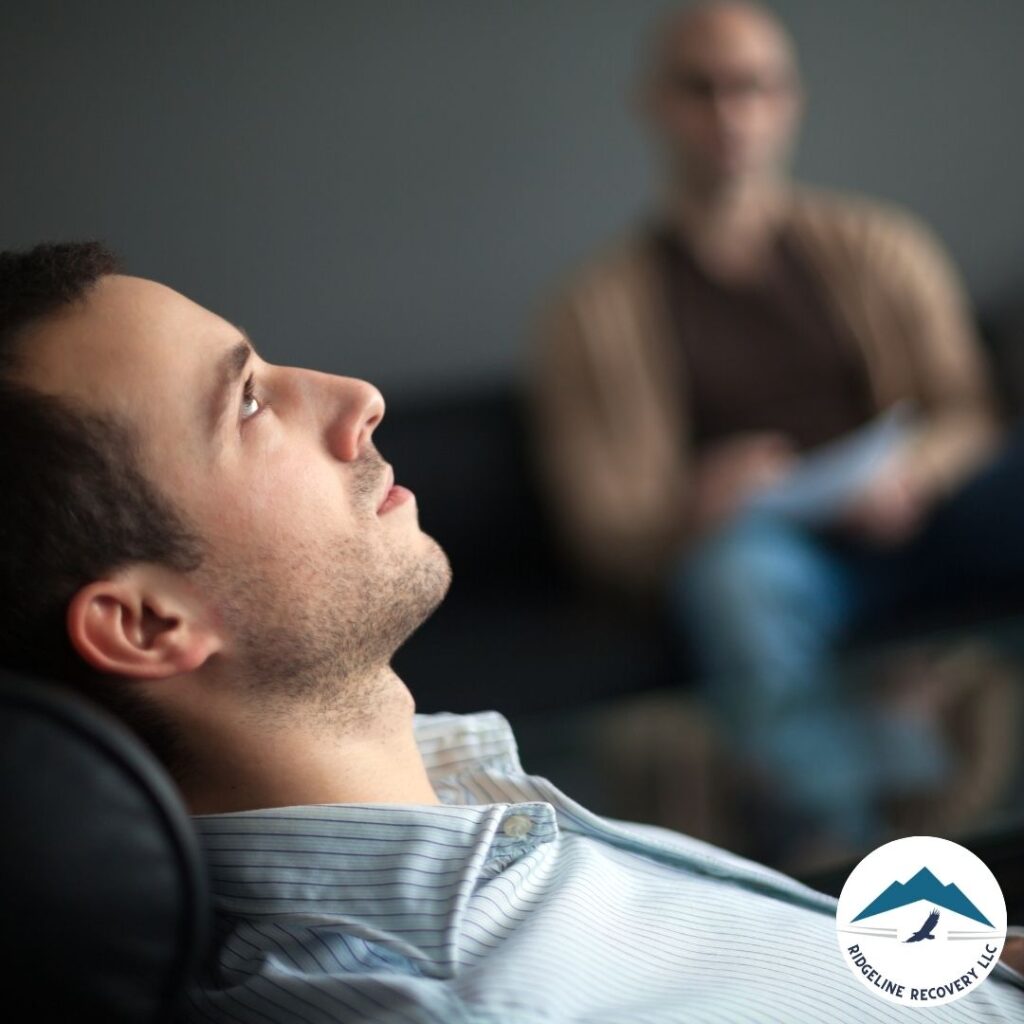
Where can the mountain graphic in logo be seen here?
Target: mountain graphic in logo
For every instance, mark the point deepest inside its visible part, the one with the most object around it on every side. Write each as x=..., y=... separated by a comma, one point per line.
x=923, y=886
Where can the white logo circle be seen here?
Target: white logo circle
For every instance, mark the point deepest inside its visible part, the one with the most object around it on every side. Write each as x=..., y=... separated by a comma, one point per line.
x=921, y=921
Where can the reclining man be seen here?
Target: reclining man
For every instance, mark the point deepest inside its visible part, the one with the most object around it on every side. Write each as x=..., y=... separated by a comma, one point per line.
x=213, y=547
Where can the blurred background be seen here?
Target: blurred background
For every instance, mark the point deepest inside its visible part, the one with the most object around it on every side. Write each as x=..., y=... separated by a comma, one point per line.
x=390, y=190
x=386, y=189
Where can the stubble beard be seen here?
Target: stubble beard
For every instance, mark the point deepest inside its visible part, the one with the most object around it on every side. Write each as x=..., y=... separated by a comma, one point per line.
x=315, y=638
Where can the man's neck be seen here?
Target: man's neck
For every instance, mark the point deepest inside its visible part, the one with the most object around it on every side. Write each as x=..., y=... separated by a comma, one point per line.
x=729, y=227
x=301, y=756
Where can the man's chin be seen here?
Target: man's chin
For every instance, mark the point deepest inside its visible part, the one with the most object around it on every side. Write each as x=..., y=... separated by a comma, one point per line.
x=427, y=585
x=442, y=574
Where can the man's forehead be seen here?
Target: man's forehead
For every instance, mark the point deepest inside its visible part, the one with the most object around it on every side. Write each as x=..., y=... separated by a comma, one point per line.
x=735, y=33
x=126, y=335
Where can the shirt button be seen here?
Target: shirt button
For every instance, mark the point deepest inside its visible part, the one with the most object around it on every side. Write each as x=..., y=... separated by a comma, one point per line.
x=517, y=825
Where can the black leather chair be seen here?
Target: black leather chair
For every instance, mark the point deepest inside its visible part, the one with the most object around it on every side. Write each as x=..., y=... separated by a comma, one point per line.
x=104, y=911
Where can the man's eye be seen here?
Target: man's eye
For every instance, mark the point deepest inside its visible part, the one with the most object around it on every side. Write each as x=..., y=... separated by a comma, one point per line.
x=250, y=403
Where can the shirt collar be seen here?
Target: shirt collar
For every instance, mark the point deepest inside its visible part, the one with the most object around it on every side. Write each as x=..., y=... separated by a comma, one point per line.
x=384, y=872
x=452, y=744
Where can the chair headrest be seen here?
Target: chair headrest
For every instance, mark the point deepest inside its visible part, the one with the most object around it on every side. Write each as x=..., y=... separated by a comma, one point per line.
x=103, y=895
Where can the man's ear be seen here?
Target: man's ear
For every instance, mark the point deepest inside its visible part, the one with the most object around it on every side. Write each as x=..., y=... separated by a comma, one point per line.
x=144, y=623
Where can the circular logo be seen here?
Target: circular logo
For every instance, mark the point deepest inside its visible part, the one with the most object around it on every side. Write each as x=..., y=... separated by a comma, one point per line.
x=921, y=921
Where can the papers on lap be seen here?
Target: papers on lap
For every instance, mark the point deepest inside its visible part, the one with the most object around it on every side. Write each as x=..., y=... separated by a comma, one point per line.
x=829, y=478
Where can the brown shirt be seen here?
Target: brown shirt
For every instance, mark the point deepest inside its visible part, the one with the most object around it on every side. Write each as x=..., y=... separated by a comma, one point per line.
x=764, y=355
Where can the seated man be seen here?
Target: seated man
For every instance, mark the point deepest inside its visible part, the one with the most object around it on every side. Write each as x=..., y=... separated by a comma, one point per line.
x=211, y=546
x=749, y=321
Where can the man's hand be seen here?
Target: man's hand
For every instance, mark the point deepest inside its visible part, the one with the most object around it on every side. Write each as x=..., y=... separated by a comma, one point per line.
x=731, y=471
x=891, y=509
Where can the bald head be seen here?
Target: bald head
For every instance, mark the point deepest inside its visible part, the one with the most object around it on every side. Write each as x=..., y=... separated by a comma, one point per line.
x=723, y=90
x=739, y=29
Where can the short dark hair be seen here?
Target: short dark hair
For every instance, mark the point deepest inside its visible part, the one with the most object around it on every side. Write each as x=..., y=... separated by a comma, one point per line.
x=77, y=504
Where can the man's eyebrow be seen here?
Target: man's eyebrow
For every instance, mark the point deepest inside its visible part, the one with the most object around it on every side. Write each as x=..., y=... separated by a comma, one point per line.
x=230, y=367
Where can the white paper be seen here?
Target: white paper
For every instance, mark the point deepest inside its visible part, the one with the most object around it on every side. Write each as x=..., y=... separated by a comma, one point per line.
x=828, y=479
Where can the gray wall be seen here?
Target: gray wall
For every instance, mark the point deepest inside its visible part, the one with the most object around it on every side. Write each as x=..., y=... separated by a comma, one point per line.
x=384, y=187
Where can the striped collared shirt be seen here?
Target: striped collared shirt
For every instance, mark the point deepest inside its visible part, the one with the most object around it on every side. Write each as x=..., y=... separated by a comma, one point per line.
x=509, y=902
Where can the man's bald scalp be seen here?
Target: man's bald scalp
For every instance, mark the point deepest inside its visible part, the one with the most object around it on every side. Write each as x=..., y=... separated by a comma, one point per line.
x=674, y=30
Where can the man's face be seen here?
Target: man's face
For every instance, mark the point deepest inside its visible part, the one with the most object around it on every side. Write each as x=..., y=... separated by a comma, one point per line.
x=725, y=101
x=309, y=577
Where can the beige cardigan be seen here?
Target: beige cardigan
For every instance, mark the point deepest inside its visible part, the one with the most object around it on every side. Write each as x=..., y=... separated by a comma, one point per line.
x=609, y=407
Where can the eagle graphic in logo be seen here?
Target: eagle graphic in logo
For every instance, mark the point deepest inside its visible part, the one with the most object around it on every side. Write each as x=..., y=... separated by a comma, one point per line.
x=925, y=931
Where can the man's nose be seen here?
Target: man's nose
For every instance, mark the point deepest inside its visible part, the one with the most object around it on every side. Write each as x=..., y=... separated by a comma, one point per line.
x=729, y=107
x=355, y=407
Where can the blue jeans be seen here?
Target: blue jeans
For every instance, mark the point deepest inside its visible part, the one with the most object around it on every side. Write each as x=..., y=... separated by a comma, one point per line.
x=763, y=605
